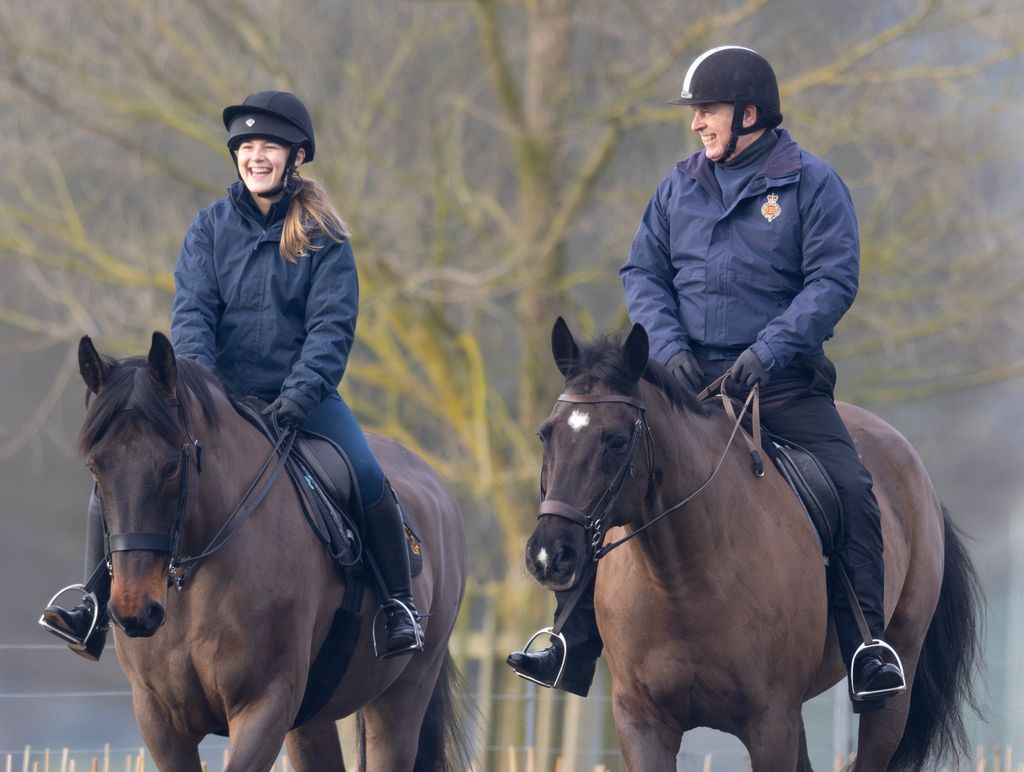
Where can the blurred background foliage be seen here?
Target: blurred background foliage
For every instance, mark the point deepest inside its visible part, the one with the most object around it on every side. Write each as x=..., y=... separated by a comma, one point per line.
x=492, y=158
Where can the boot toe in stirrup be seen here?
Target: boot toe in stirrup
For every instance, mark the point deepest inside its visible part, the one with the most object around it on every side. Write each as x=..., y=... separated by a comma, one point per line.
x=404, y=633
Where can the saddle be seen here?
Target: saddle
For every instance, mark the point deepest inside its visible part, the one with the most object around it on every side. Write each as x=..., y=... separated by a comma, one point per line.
x=806, y=476
x=327, y=485
x=814, y=489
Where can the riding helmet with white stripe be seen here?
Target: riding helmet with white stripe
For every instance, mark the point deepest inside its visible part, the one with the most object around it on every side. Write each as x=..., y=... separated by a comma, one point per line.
x=736, y=75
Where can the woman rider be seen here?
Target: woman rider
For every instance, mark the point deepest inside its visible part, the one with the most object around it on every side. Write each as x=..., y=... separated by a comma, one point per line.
x=267, y=294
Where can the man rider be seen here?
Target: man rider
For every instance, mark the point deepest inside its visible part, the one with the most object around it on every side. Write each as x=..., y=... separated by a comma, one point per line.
x=745, y=259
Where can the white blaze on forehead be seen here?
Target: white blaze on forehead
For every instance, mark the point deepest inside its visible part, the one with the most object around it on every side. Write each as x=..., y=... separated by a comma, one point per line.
x=578, y=420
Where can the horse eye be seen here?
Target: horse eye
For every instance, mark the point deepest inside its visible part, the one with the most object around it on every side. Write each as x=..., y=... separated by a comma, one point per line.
x=171, y=470
x=617, y=442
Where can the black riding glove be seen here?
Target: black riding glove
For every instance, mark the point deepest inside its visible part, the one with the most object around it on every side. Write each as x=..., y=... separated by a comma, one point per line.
x=285, y=413
x=748, y=370
x=686, y=370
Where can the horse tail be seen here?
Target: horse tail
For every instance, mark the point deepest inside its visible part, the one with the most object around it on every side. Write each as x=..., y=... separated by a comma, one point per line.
x=944, y=681
x=444, y=743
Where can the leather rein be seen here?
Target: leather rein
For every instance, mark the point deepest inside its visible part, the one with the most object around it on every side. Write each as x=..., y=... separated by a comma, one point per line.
x=170, y=542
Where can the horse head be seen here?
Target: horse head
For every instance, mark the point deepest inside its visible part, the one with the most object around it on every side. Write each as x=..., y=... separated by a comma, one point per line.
x=137, y=446
x=596, y=441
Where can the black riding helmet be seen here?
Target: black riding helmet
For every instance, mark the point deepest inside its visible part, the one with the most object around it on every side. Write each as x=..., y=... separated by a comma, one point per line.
x=277, y=115
x=736, y=75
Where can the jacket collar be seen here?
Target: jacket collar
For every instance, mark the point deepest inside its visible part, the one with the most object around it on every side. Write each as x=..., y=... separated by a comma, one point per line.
x=782, y=162
x=242, y=200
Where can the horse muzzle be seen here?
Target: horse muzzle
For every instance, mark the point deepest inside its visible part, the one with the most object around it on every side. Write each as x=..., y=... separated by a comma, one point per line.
x=139, y=593
x=142, y=624
x=555, y=566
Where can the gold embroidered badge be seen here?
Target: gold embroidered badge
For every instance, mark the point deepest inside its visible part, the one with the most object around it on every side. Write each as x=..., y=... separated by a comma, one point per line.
x=771, y=208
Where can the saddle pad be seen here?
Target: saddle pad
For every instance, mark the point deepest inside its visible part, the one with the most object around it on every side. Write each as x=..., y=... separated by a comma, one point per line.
x=815, y=490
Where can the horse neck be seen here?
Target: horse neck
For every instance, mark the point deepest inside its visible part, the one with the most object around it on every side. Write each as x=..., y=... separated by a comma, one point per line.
x=232, y=455
x=699, y=538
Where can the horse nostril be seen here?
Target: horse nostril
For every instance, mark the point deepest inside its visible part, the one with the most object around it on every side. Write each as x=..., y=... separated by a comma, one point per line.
x=155, y=616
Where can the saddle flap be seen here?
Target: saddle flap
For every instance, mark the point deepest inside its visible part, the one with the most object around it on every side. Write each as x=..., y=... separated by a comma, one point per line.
x=815, y=490
x=327, y=463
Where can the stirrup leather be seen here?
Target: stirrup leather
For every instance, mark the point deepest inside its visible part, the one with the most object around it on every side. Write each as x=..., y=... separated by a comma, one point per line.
x=416, y=645
x=70, y=640
x=552, y=635
x=888, y=655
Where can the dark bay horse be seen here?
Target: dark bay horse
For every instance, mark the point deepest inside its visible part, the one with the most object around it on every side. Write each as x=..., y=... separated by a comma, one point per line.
x=718, y=614
x=232, y=649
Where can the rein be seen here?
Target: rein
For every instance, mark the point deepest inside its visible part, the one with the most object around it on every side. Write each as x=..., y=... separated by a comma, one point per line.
x=171, y=542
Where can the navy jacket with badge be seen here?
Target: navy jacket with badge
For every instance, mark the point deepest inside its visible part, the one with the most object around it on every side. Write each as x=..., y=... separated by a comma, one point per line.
x=775, y=271
x=268, y=326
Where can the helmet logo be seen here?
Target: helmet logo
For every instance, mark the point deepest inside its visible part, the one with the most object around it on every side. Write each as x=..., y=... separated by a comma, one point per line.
x=249, y=122
x=771, y=208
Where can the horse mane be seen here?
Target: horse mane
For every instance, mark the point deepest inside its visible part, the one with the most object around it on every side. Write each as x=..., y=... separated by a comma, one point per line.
x=129, y=387
x=602, y=361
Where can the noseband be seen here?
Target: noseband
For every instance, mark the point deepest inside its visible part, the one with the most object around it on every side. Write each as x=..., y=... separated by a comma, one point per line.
x=594, y=524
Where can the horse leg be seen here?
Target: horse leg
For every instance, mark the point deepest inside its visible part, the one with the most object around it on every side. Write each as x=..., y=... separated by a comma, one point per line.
x=880, y=731
x=647, y=744
x=169, y=748
x=391, y=723
x=803, y=762
x=257, y=733
x=773, y=740
x=315, y=746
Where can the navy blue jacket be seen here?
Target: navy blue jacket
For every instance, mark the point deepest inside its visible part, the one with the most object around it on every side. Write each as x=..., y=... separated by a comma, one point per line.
x=268, y=326
x=774, y=271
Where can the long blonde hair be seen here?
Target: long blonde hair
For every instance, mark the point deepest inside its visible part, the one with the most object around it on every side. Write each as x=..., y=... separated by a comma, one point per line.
x=310, y=213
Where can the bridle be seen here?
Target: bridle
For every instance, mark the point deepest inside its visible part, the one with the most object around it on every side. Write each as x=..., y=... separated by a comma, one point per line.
x=170, y=542
x=594, y=524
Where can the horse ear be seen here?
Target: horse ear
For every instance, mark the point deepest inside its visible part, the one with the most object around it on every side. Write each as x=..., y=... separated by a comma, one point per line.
x=162, y=366
x=91, y=365
x=563, y=347
x=637, y=350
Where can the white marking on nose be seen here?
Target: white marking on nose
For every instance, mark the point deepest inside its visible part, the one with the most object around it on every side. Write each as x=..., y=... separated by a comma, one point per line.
x=542, y=557
x=578, y=420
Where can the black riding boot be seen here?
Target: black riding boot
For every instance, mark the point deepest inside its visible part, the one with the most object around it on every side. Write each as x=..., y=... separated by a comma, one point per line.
x=84, y=627
x=875, y=675
x=584, y=644
x=385, y=537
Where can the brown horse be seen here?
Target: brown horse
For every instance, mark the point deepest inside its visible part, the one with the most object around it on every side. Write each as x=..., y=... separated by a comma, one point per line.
x=231, y=651
x=718, y=614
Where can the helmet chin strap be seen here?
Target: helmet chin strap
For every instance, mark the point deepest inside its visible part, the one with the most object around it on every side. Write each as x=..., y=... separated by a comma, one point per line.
x=738, y=129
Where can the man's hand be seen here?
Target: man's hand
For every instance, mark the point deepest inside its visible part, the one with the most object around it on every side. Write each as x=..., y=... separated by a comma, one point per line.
x=748, y=370
x=685, y=369
x=285, y=413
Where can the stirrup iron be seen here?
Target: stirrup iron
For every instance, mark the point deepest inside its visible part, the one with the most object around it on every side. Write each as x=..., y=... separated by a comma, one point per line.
x=70, y=640
x=416, y=645
x=552, y=635
x=887, y=654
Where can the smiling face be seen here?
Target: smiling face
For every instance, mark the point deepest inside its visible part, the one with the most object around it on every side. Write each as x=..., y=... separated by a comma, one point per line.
x=261, y=166
x=714, y=124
